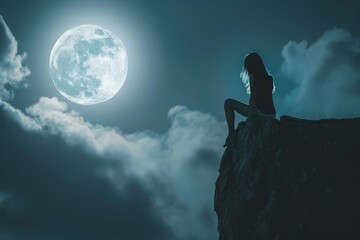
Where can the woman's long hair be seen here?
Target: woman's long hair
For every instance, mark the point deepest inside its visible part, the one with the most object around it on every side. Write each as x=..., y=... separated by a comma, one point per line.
x=253, y=64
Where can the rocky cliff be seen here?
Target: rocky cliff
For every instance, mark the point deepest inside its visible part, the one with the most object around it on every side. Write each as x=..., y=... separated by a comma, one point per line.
x=290, y=179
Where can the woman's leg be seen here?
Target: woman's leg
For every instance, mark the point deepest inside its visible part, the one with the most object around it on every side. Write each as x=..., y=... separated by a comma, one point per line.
x=230, y=106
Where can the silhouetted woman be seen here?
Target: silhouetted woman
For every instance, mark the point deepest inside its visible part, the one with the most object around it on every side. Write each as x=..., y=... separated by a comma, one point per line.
x=259, y=84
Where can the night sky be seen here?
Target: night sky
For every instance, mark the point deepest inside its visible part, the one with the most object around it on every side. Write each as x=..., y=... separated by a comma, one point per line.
x=143, y=164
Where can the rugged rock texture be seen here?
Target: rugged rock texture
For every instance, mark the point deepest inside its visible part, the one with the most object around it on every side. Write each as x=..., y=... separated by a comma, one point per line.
x=290, y=179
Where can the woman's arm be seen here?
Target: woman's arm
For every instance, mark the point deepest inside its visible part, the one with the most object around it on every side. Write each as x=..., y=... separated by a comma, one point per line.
x=252, y=100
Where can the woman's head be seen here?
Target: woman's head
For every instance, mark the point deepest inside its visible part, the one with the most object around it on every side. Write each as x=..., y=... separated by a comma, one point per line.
x=253, y=64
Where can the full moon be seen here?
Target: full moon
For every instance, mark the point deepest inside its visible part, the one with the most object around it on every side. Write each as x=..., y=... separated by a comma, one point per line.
x=88, y=64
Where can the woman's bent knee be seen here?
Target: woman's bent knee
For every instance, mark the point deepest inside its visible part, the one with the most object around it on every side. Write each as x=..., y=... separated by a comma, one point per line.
x=228, y=102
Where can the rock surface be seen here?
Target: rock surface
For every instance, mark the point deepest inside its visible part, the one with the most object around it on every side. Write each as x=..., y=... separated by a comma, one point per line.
x=290, y=179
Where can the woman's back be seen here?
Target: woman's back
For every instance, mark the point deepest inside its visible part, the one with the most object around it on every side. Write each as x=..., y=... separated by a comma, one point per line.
x=264, y=90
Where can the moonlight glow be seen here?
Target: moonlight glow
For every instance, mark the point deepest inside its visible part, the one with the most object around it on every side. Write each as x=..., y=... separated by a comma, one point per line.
x=88, y=64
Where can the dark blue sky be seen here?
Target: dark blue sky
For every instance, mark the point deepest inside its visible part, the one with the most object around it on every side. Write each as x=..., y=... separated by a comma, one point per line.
x=197, y=47
x=143, y=164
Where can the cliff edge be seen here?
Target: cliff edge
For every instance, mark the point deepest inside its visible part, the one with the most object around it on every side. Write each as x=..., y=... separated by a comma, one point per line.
x=290, y=179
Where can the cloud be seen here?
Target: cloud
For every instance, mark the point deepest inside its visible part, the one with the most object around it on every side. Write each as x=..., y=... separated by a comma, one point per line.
x=66, y=178
x=50, y=190
x=169, y=161
x=25, y=121
x=177, y=169
x=12, y=73
x=326, y=74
